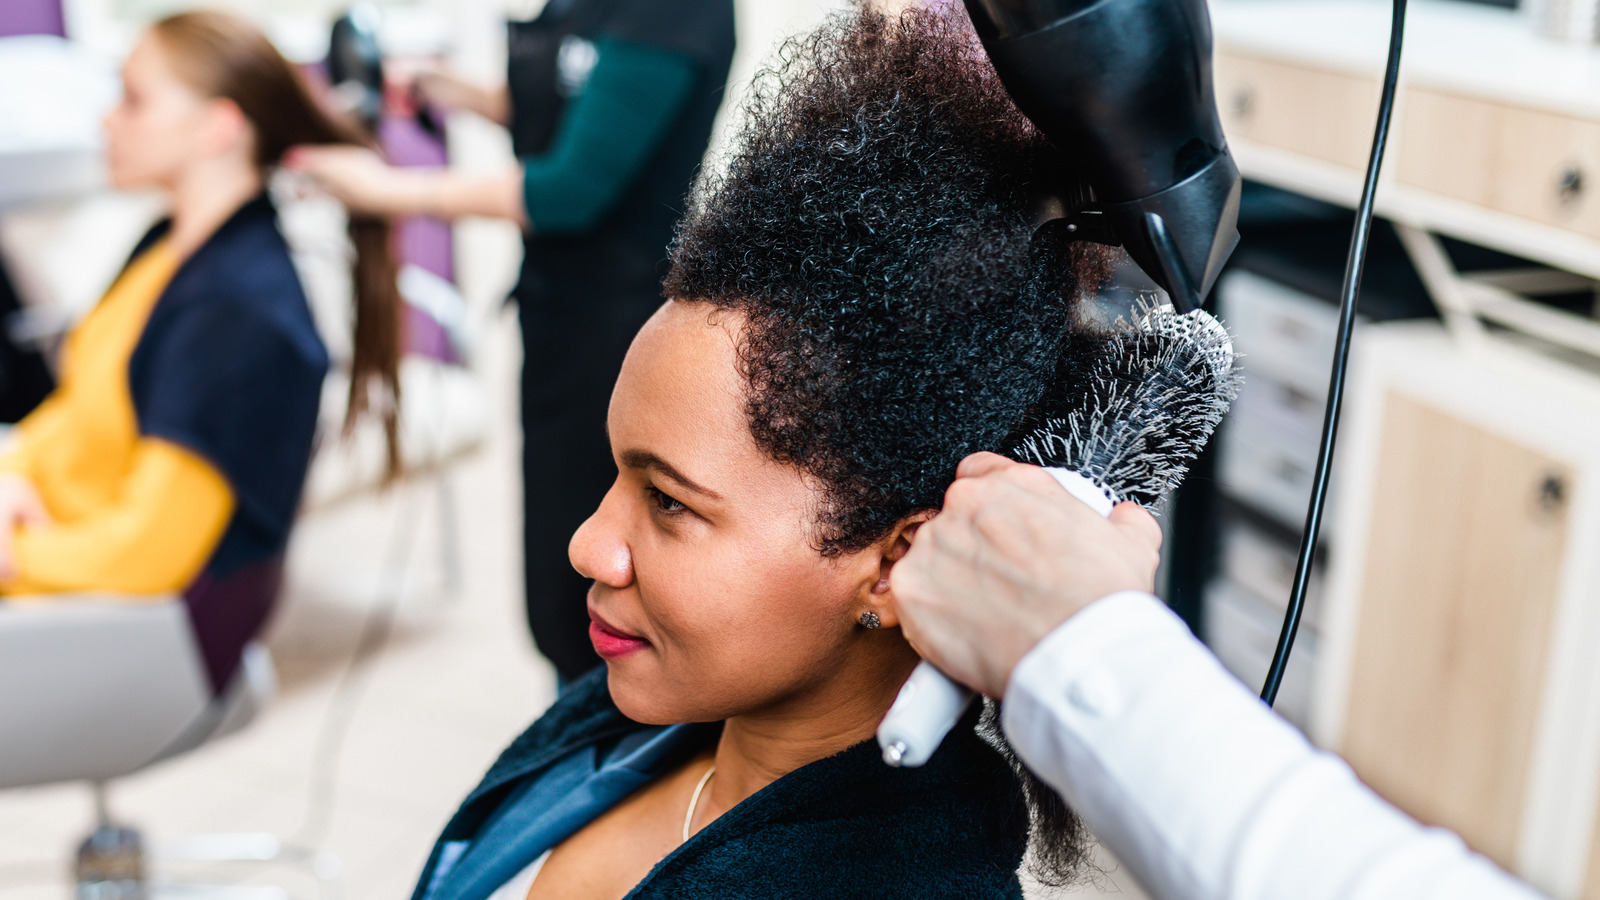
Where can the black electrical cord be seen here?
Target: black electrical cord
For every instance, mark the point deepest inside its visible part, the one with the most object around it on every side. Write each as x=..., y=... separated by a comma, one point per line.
x=1341, y=359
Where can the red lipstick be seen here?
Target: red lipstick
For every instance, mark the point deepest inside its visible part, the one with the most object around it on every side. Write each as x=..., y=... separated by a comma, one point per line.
x=612, y=642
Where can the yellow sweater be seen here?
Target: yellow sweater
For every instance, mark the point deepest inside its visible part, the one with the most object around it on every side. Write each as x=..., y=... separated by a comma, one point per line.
x=132, y=514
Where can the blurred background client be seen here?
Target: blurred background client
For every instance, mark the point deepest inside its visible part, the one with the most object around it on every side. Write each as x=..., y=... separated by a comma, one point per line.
x=610, y=105
x=177, y=444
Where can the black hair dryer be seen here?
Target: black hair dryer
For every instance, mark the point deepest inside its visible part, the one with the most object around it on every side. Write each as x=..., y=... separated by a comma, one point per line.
x=355, y=64
x=1123, y=87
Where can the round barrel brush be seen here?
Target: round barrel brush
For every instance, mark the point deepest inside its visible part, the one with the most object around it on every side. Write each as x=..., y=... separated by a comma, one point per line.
x=1127, y=429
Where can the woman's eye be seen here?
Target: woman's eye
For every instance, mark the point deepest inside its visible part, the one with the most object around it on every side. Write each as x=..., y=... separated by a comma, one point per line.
x=665, y=502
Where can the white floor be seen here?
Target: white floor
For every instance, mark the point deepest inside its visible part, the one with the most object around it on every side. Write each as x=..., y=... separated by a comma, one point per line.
x=456, y=680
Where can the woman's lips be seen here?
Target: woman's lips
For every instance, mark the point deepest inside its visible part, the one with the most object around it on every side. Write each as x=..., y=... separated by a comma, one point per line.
x=611, y=642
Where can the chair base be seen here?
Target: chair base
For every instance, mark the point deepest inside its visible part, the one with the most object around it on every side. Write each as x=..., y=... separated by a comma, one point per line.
x=110, y=865
x=113, y=864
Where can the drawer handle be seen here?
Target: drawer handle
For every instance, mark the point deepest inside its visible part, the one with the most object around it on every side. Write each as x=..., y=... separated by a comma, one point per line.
x=1300, y=401
x=1244, y=102
x=1552, y=493
x=1569, y=184
x=1289, y=471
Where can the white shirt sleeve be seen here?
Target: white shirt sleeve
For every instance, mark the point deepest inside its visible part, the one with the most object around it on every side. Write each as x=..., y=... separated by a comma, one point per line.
x=1199, y=789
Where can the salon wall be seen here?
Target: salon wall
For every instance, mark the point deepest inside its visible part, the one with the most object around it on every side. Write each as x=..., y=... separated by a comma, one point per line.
x=466, y=24
x=469, y=32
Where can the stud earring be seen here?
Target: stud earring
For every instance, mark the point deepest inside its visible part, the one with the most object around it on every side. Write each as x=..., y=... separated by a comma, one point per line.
x=870, y=620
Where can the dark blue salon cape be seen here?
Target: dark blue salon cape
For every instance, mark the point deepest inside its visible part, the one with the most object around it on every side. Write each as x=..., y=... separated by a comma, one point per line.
x=553, y=806
x=842, y=827
x=230, y=367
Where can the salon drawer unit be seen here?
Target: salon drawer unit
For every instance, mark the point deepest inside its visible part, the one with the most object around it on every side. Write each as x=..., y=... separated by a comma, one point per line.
x=1496, y=130
x=1242, y=630
x=1264, y=101
x=1536, y=166
x=1456, y=665
x=1267, y=449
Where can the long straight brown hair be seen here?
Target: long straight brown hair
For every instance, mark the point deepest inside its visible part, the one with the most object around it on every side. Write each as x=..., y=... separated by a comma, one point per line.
x=223, y=56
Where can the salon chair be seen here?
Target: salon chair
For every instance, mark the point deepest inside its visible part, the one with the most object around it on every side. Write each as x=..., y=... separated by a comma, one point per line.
x=97, y=687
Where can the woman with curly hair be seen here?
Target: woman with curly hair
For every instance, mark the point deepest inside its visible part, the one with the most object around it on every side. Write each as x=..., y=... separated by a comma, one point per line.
x=860, y=300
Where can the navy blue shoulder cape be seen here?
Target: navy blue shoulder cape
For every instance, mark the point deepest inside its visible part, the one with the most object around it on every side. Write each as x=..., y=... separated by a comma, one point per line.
x=847, y=826
x=230, y=366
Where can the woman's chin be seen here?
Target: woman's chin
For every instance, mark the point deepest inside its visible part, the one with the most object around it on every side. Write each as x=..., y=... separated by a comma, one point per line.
x=122, y=180
x=648, y=699
x=645, y=699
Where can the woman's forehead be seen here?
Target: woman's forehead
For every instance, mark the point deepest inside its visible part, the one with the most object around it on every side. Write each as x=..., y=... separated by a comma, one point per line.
x=680, y=395
x=149, y=63
x=689, y=352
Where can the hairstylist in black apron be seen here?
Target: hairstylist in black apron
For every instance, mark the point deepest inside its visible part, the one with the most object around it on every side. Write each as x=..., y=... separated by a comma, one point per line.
x=610, y=106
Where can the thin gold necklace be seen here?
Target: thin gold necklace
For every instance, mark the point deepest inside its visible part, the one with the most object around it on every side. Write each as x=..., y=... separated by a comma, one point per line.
x=688, y=817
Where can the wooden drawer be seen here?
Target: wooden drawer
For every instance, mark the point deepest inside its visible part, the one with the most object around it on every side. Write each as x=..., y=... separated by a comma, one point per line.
x=1319, y=113
x=1535, y=165
x=1457, y=671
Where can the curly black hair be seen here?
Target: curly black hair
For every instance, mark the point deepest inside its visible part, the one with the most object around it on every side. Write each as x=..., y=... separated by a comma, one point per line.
x=875, y=227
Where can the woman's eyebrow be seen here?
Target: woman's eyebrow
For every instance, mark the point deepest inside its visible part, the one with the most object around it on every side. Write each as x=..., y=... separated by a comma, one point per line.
x=644, y=459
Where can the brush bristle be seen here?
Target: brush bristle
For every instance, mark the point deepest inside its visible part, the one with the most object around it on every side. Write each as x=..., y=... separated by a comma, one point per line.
x=1147, y=407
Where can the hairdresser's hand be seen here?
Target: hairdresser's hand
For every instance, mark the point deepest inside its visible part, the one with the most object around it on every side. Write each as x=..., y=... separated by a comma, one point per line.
x=20, y=507
x=435, y=85
x=355, y=176
x=1012, y=556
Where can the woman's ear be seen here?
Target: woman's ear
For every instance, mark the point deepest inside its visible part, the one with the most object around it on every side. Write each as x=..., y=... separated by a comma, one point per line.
x=227, y=129
x=890, y=550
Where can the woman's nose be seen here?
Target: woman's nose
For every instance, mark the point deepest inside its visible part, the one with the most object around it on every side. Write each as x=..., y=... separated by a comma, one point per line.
x=598, y=549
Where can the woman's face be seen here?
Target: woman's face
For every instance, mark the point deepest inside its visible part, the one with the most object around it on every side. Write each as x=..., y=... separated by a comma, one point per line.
x=161, y=126
x=709, y=599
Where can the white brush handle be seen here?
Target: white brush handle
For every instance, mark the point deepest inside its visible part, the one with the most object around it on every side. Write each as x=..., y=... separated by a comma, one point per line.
x=1086, y=489
x=930, y=704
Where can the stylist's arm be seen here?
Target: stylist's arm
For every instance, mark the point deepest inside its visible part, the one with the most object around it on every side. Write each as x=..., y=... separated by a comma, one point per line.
x=1023, y=592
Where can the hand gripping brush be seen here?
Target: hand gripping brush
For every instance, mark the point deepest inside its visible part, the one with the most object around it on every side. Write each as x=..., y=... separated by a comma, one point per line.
x=1147, y=405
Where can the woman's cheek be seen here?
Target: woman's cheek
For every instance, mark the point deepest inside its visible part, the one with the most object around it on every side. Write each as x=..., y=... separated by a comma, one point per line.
x=688, y=594
x=723, y=613
x=799, y=611
x=737, y=623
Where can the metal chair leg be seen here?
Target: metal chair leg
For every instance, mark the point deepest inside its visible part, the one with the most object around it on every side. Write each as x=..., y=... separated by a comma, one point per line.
x=110, y=864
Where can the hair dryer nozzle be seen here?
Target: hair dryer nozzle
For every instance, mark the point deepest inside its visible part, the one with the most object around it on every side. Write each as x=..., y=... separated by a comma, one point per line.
x=1123, y=88
x=1181, y=236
